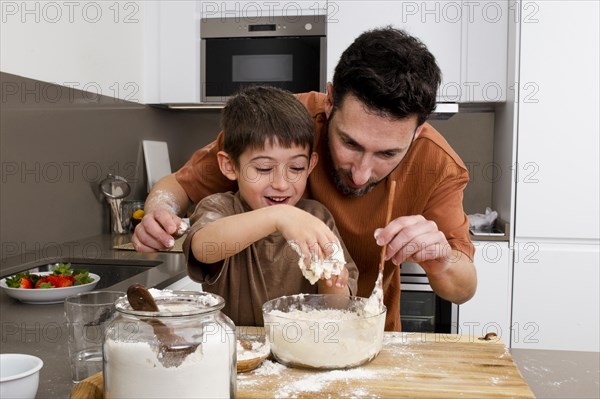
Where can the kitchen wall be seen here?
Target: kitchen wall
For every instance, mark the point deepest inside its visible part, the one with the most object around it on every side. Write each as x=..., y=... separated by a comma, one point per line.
x=58, y=143
x=471, y=134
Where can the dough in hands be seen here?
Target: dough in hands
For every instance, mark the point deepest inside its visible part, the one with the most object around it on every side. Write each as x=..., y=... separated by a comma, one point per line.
x=326, y=268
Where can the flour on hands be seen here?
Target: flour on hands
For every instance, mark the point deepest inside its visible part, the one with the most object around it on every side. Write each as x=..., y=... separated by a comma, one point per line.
x=321, y=268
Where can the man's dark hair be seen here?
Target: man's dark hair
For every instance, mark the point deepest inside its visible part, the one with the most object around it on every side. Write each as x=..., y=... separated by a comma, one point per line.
x=391, y=72
x=258, y=115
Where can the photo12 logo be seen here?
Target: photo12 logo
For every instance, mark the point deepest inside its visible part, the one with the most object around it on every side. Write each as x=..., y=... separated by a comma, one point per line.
x=254, y=10
x=64, y=171
x=68, y=92
x=40, y=251
x=452, y=11
x=491, y=12
x=53, y=12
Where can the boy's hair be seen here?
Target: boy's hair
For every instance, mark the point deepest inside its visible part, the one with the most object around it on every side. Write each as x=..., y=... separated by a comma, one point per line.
x=259, y=115
x=389, y=71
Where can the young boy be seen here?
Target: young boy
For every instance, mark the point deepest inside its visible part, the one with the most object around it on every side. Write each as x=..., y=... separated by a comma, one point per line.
x=238, y=246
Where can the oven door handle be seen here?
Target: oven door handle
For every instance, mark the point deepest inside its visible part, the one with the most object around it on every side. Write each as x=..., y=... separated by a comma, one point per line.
x=416, y=287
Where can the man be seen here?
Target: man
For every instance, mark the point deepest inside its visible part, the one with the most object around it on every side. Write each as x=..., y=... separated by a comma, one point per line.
x=370, y=129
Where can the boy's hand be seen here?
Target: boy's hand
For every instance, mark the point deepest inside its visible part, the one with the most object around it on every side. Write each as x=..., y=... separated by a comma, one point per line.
x=311, y=234
x=340, y=281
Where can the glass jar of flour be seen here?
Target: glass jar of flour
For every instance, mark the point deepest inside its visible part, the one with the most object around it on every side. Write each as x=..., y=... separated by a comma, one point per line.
x=185, y=350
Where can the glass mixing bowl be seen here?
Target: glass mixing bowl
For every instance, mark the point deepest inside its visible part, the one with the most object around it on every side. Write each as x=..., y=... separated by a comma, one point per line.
x=322, y=331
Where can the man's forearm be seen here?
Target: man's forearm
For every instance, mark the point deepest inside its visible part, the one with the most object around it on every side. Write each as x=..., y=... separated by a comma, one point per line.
x=457, y=282
x=168, y=194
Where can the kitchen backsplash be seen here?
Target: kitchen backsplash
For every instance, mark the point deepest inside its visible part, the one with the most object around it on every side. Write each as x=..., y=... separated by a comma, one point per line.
x=472, y=137
x=58, y=143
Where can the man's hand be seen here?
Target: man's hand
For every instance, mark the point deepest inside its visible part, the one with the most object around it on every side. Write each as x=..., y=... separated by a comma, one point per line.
x=160, y=221
x=156, y=230
x=415, y=239
x=412, y=238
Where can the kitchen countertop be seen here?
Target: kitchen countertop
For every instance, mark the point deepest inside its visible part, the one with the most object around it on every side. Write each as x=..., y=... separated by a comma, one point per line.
x=40, y=330
x=559, y=374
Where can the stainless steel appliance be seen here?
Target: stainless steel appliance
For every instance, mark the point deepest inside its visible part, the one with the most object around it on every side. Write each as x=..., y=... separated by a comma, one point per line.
x=285, y=52
x=421, y=310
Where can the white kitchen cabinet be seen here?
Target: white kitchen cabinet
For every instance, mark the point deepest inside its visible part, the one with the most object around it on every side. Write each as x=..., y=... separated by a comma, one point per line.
x=557, y=221
x=484, y=53
x=558, y=140
x=556, y=296
x=489, y=310
x=94, y=46
x=139, y=51
x=468, y=39
x=172, y=55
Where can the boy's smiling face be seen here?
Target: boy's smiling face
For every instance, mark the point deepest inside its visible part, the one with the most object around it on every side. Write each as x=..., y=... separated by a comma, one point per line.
x=272, y=175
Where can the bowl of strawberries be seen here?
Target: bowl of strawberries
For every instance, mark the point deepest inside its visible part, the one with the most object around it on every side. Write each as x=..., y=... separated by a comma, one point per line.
x=49, y=287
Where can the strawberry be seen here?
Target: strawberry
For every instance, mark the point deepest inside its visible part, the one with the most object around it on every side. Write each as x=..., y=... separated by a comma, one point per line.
x=63, y=281
x=44, y=282
x=25, y=283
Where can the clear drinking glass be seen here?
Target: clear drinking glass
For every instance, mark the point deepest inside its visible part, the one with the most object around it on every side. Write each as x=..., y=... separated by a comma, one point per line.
x=127, y=210
x=88, y=314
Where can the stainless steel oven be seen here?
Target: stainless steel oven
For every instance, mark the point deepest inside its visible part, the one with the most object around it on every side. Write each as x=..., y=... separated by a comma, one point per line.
x=285, y=52
x=421, y=310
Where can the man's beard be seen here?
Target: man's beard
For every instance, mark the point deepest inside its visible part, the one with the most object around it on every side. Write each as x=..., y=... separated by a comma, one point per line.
x=338, y=174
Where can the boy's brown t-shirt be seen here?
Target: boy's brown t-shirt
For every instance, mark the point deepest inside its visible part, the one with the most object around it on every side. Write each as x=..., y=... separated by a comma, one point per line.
x=430, y=182
x=267, y=269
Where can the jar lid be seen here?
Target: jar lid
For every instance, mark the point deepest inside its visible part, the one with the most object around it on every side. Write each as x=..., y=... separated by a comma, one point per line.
x=176, y=304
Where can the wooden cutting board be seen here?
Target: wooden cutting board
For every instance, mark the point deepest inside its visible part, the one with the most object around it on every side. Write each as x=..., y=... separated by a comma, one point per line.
x=410, y=365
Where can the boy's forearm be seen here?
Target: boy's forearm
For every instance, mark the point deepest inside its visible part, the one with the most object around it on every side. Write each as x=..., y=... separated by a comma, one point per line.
x=232, y=234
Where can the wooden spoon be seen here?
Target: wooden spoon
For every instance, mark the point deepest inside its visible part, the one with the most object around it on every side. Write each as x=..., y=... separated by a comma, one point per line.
x=377, y=294
x=173, y=349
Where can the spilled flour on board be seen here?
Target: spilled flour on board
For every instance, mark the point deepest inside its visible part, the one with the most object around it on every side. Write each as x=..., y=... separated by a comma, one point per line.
x=269, y=367
x=313, y=382
x=317, y=381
